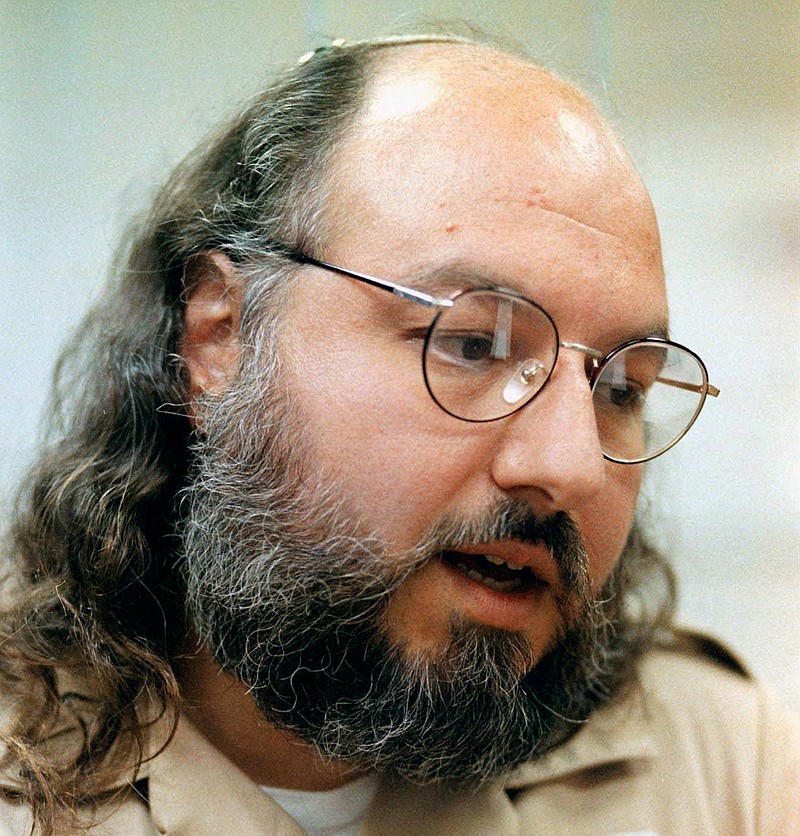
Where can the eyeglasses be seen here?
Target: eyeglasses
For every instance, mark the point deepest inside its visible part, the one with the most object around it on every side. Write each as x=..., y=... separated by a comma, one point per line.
x=487, y=353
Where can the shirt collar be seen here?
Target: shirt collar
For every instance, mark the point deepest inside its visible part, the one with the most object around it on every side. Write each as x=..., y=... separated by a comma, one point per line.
x=614, y=733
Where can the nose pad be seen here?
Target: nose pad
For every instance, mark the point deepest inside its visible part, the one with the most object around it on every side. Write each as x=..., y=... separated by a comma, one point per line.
x=523, y=381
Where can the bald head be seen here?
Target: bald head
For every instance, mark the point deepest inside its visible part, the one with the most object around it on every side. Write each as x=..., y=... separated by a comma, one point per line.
x=453, y=124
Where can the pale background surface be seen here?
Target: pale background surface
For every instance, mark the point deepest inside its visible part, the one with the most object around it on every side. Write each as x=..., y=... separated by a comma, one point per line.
x=99, y=98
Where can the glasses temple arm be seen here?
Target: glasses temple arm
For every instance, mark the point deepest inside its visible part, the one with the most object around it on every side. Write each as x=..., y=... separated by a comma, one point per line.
x=689, y=387
x=382, y=284
x=432, y=301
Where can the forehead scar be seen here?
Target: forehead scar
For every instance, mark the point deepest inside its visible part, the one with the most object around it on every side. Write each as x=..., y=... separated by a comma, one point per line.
x=533, y=203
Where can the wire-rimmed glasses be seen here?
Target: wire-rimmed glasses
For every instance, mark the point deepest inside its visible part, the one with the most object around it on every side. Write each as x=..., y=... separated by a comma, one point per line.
x=488, y=352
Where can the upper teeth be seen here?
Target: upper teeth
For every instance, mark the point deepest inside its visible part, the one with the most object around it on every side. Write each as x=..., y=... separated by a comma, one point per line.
x=499, y=562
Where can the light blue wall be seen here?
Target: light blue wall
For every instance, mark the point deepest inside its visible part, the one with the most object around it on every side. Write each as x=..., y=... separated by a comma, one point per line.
x=99, y=98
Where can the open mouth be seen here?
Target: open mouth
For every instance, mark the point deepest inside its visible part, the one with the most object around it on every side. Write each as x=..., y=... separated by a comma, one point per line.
x=493, y=572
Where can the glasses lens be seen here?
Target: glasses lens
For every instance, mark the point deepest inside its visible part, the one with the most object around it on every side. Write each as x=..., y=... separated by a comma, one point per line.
x=646, y=397
x=488, y=354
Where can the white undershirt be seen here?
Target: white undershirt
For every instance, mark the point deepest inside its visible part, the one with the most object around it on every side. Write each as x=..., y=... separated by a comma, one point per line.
x=336, y=812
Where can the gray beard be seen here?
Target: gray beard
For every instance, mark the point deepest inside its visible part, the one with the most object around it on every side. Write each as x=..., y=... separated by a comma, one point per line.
x=291, y=597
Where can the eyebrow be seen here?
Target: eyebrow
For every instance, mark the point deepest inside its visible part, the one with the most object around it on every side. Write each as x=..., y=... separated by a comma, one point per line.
x=659, y=329
x=454, y=275
x=447, y=278
x=457, y=275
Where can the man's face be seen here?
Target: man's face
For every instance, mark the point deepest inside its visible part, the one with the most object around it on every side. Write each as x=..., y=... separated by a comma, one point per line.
x=509, y=179
x=336, y=507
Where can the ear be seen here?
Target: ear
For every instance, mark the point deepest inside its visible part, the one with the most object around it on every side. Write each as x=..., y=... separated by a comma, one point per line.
x=212, y=317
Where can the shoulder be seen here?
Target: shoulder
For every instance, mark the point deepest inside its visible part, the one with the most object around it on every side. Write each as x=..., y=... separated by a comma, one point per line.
x=694, y=745
x=695, y=678
x=723, y=729
x=116, y=805
x=694, y=688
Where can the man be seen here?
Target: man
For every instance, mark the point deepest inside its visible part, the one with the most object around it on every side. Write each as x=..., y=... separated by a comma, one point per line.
x=340, y=536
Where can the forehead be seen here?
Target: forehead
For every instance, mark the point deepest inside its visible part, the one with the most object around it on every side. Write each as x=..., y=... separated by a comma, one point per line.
x=460, y=154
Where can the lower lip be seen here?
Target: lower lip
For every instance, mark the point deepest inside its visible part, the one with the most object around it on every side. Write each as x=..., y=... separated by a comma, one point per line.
x=514, y=611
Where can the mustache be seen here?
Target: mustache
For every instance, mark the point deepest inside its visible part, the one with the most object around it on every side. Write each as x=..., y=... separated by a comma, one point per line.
x=511, y=519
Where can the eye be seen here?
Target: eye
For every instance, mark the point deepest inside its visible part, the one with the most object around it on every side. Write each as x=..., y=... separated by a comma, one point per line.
x=626, y=380
x=622, y=396
x=462, y=348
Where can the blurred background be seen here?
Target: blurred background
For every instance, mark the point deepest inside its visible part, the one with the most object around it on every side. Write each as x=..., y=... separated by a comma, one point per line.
x=100, y=98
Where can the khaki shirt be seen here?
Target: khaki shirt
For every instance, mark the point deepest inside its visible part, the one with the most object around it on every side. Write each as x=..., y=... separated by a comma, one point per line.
x=694, y=748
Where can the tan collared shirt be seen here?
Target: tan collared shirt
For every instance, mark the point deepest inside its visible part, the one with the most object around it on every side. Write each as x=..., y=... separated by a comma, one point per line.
x=695, y=748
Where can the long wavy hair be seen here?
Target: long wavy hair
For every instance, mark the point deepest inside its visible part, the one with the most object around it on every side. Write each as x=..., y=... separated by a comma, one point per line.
x=92, y=589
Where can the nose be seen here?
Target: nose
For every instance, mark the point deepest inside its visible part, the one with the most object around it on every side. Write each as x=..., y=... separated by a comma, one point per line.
x=549, y=453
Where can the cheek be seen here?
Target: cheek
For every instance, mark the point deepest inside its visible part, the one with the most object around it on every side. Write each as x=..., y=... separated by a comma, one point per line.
x=606, y=522
x=398, y=461
x=397, y=481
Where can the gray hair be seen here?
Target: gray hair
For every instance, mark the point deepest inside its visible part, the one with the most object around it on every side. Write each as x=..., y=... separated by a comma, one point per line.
x=93, y=547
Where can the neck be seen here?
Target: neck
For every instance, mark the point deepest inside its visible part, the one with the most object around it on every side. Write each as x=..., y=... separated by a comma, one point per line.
x=224, y=710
